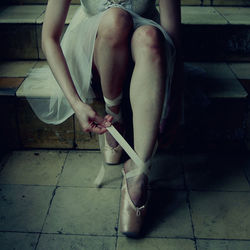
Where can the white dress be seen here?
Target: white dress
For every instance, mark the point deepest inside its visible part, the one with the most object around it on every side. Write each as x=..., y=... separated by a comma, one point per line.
x=78, y=46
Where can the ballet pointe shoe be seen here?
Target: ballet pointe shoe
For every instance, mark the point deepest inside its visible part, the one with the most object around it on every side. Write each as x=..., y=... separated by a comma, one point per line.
x=111, y=155
x=132, y=217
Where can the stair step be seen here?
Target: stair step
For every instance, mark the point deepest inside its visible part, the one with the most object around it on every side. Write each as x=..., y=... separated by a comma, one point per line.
x=209, y=33
x=22, y=129
x=183, y=2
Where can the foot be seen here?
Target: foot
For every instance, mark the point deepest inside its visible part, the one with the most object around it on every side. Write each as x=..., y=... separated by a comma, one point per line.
x=137, y=186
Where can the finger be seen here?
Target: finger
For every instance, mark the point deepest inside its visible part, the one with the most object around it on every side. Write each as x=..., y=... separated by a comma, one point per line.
x=98, y=130
x=98, y=119
x=108, y=118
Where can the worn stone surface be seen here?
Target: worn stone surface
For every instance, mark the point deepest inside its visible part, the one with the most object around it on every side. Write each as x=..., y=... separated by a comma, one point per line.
x=241, y=70
x=216, y=172
x=231, y=2
x=82, y=167
x=21, y=14
x=166, y=172
x=83, y=211
x=16, y=68
x=154, y=244
x=221, y=215
x=234, y=15
x=219, y=81
x=201, y=15
x=36, y=134
x=23, y=208
x=9, y=85
x=66, y=242
x=223, y=245
x=18, y=241
x=33, y=168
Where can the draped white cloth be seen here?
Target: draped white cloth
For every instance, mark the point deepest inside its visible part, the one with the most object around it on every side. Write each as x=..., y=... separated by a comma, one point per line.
x=78, y=46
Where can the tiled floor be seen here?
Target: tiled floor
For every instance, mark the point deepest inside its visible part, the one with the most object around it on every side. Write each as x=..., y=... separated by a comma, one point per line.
x=198, y=202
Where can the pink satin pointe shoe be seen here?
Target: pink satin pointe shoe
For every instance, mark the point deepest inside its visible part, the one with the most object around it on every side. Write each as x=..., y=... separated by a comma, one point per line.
x=132, y=217
x=111, y=155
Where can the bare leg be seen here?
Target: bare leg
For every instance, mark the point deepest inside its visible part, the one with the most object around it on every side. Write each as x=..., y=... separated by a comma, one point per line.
x=111, y=55
x=146, y=96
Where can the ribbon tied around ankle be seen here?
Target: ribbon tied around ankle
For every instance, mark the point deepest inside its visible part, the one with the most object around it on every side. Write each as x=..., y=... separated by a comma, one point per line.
x=141, y=167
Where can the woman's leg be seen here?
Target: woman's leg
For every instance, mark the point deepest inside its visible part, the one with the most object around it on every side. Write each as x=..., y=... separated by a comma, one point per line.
x=112, y=53
x=146, y=95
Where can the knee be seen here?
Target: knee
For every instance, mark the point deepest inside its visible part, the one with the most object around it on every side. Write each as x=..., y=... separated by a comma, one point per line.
x=116, y=26
x=150, y=40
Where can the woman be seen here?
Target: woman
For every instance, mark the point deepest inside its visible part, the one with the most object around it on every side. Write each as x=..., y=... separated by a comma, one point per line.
x=102, y=40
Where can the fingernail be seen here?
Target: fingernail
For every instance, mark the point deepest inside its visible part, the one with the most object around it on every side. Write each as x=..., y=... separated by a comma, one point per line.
x=107, y=124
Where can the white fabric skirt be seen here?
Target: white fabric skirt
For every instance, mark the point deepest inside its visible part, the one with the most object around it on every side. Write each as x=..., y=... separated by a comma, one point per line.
x=78, y=47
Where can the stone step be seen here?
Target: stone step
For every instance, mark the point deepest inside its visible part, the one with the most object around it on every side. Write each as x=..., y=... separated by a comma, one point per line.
x=209, y=33
x=215, y=103
x=183, y=2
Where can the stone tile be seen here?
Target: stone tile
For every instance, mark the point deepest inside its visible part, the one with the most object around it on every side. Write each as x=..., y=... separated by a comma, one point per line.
x=166, y=172
x=231, y=2
x=33, y=167
x=190, y=2
x=18, y=241
x=221, y=215
x=81, y=169
x=215, y=172
x=83, y=211
x=220, y=82
x=154, y=244
x=66, y=242
x=14, y=40
x=235, y=15
x=16, y=68
x=201, y=15
x=223, y=245
x=206, y=2
x=241, y=70
x=8, y=86
x=23, y=208
x=37, y=134
x=168, y=215
x=85, y=140
x=21, y=14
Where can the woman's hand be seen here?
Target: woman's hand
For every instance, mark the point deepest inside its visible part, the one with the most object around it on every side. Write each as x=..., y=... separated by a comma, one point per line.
x=90, y=121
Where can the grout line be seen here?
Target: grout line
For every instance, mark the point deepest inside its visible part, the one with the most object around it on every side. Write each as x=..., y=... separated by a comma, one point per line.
x=214, y=7
x=111, y=188
x=112, y=236
x=188, y=201
x=51, y=200
x=118, y=218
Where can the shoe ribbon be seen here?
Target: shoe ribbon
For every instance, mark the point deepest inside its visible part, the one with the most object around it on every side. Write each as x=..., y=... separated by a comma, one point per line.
x=142, y=167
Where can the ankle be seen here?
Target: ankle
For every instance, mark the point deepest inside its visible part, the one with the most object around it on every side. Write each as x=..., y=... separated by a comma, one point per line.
x=115, y=109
